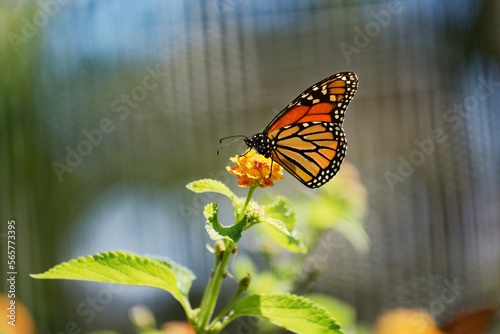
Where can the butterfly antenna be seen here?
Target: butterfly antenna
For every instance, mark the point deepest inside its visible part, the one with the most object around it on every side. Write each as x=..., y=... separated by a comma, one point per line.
x=240, y=136
x=234, y=141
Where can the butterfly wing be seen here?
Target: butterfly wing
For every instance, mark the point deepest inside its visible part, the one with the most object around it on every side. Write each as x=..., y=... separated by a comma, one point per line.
x=307, y=135
x=312, y=152
x=325, y=101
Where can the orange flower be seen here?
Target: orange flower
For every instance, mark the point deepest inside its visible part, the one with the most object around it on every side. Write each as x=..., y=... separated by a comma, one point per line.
x=177, y=327
x=24, y=323
x=255, y=169
x=410, y=321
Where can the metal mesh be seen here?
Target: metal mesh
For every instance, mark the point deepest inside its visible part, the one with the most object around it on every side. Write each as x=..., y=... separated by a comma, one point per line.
x=167, y=79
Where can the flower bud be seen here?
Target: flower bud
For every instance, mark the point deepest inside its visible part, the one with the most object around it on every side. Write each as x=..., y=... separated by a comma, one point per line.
x=245, y=282
x=219, y=248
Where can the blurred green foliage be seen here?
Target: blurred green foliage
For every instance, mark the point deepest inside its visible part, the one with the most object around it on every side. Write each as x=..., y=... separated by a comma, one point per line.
x=341, y=205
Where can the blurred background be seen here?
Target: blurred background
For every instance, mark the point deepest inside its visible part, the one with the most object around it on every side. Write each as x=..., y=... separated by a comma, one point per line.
x=108, y=108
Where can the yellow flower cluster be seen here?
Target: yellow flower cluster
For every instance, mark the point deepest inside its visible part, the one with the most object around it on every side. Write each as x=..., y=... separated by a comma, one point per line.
x=255, y=169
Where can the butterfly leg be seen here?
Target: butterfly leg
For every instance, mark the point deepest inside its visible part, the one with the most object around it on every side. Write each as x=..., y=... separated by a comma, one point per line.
x=271, y=172
x=248, y=150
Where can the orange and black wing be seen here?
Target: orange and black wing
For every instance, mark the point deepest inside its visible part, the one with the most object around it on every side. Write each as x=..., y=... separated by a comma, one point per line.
x=312, y=152
x=307, y=136
x=325, y=101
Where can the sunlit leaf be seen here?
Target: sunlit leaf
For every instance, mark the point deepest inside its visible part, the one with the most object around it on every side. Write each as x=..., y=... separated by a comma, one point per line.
x=211, y=185
x=215, y=229
x=184, y=276
x=290, y=312
x=281, y=209
x=340, y=310
x=129, y=269
x=289, y=240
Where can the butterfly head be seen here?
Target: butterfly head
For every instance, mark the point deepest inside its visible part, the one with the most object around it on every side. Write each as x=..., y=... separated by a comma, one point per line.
x=261, y=143
x=250, y=141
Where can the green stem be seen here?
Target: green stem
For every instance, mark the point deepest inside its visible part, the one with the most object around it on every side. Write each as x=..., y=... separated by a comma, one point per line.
x=226, y=322
x=241, y=290
x=243, y=209
x=220, y=271
x=214, y=291
x=210, y=284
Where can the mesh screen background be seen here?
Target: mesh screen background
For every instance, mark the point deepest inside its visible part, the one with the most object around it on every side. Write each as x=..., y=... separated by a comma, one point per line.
x=219, y=68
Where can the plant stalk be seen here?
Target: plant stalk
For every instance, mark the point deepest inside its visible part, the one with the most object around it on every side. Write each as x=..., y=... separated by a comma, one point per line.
x=243, y=209
x=232, y=302
x=220, y=271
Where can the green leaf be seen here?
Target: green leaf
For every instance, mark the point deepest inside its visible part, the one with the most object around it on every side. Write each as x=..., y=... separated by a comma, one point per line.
x=341, y=205
x=289, y=240
x=329, y=213
x=343, y=312
x=274, y=228
x=215, y=229
x=291, y=312
x=281, y=209
x=184, y=276
x=211, y=185
x=129, y=269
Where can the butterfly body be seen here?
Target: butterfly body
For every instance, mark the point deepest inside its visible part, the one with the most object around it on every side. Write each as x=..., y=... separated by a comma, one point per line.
x=306, y=137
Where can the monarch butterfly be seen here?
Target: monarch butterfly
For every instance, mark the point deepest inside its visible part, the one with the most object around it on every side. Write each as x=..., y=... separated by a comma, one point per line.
x=306, y=137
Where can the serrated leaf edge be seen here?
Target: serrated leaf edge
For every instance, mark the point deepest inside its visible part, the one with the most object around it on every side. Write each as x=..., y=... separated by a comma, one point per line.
x=62, y=268
x=297, y=298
